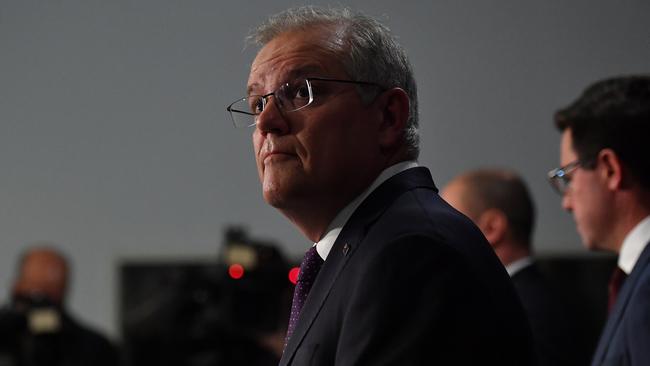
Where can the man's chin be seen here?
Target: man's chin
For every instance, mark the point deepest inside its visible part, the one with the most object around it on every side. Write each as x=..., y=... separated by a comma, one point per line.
x=275, y=197
x=589, y=245
x=593, y=245
x=279, y=190
x=587, y=242
x=272, y=200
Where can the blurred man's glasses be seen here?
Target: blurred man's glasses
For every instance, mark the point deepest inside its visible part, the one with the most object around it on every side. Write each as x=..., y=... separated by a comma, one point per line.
x=289, y=97
x=560, y=178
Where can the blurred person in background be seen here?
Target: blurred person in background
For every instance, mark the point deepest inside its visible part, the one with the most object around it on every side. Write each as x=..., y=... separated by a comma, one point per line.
x=35, y=327
x=500, y=204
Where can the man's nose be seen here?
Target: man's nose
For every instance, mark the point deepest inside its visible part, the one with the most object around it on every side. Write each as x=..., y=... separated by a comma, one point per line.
x=272, y=119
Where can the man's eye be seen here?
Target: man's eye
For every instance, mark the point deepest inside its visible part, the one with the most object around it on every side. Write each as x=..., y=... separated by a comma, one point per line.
x=301, y=92
x=256, y=104
x=566, y=178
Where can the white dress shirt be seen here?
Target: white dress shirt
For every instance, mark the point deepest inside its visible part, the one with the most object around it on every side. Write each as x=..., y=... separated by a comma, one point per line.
x=518, y=265
x=633, y=245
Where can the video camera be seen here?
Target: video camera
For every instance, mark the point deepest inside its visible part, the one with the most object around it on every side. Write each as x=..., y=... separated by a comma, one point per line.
x=207, y=313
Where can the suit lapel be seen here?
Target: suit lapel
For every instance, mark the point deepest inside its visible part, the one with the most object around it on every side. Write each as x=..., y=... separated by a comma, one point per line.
x=615, y=318
x=346, y=245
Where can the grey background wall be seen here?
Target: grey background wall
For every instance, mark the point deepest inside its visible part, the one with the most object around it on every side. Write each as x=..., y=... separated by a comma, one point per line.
x=115, y=143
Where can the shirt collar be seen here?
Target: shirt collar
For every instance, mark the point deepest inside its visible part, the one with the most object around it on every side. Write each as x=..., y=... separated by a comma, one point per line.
x=324, y=245
x=518, y=265
x=633, y=245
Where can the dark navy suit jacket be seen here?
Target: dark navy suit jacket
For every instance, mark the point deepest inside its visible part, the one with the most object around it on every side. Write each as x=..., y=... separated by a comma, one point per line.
x=626, y=337
x=410, y=281
x=550, y=320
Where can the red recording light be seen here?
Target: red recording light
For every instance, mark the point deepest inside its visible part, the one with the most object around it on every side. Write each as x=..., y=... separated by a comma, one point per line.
x=236, y=271
x=293, y=274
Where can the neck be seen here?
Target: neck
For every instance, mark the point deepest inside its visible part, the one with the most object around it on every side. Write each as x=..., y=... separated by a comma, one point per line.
x=630, y=210
x=511, y=252
x=312, y=222
x=313, y=215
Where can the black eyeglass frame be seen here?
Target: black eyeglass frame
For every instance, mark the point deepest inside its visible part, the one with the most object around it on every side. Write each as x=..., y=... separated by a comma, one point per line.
x=560, y=178
x=264, y=98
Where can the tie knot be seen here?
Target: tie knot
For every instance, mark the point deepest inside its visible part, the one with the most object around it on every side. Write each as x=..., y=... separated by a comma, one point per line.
x=310, y=265
x=309, y=268
x=614, y=287
x=618, y=276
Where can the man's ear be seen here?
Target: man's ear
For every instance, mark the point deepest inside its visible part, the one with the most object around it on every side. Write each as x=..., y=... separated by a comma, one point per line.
x=610, y=169
x=394, y=104
x=494, y=224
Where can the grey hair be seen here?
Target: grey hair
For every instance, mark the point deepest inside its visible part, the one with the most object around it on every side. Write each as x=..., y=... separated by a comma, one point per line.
x=371, y=53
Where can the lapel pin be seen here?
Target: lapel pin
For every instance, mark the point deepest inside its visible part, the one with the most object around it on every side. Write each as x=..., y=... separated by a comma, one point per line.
x=346, y=248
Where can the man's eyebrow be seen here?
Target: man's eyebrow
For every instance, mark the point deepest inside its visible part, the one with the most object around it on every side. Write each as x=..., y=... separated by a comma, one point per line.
x=251, y=87
x=302, y=71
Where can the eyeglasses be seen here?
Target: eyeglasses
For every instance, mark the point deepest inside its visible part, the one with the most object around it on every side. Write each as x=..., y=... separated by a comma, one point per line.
x=289, y=97
x=560, y=178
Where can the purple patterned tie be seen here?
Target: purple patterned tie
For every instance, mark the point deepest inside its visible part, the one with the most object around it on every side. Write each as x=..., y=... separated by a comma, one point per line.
x=308, y=270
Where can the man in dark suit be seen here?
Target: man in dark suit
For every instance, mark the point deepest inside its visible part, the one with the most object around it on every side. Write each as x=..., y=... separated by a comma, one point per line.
x=499, y=203
x=605, y=183
x=404, y=279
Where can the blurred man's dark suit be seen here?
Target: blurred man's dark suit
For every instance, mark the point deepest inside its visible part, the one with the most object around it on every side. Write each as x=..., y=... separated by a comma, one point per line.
x=548, y=317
